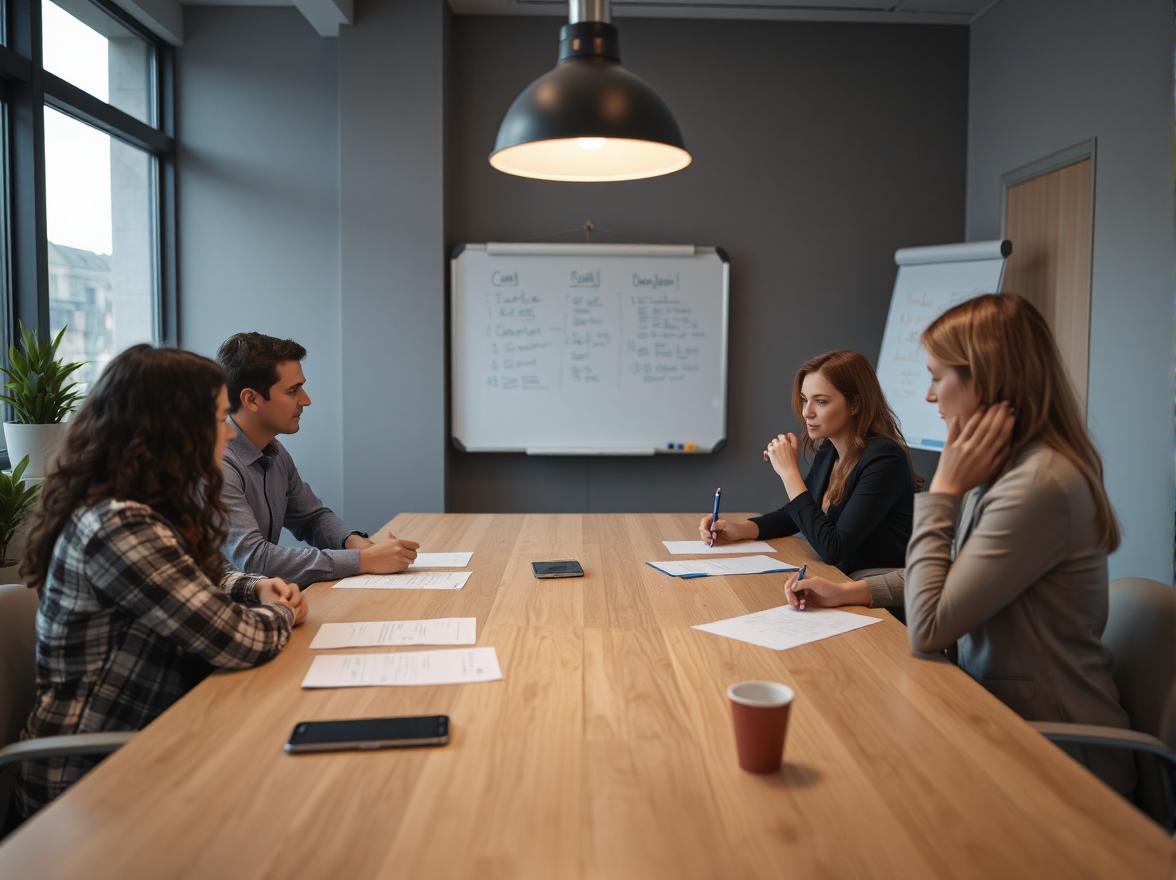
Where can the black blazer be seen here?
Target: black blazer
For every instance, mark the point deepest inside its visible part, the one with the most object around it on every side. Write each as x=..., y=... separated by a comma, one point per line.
x=870, y=528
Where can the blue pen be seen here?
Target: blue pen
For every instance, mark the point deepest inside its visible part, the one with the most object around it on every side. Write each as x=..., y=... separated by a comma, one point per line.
x=800, y=577
x=715, y=515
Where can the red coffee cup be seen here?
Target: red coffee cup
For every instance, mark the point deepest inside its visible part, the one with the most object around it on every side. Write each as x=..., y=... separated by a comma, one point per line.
x=760, y=712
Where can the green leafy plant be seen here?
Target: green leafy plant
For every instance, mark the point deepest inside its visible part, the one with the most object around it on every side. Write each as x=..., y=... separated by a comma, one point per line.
x=16, y=499
x=39, y=388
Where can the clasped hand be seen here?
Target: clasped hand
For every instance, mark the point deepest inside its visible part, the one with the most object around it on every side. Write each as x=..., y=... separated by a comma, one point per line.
x=783, y=454
x=275, y=591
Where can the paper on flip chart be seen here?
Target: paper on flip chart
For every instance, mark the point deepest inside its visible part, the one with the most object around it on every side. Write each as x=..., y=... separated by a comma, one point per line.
x=432, y=580
x=693, y=568
x=786, y=627
x=441, y=560
x=680, y=547
x=450, y=666
x=385, y=633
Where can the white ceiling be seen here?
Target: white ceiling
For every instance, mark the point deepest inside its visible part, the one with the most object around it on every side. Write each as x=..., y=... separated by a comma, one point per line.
x=897, y=11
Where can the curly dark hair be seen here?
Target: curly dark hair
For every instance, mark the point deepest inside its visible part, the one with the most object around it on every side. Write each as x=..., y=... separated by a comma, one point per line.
x=147, y=433
x=251, y=361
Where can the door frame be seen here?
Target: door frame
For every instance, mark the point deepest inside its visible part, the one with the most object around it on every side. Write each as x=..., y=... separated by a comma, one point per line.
x=1063, y=158
x=1071, y=155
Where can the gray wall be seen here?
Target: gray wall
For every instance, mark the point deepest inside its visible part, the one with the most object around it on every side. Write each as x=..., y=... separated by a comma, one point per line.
x=1047, y=74
x=258, y=196
x=819, y=149
x=391, y=108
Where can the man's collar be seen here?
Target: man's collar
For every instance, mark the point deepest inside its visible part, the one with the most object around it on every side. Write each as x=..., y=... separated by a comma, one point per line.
x=245, y=451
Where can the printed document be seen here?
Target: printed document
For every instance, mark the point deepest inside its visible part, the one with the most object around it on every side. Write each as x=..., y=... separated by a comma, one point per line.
x=441, y=560
x=695, y=568
x=450, y=666
x=386, y=633
x=431, y=580
x=786, y=627
x=679, y=547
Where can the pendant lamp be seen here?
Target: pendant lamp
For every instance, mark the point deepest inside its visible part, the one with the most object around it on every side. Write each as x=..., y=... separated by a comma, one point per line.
x=589, y=119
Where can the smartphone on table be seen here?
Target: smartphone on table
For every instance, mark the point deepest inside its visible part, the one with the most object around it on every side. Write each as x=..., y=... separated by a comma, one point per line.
x=369, y=733
x=560, y=568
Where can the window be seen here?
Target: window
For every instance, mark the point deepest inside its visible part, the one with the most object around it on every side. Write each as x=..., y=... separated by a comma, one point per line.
x=101, y=222
x=87, y=233
x=85, y=46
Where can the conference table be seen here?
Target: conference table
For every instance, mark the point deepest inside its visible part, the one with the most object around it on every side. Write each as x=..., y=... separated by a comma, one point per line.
x=605, y=751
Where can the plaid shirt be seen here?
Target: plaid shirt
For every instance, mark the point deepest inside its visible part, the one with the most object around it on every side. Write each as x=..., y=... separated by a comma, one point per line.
x=127, y=624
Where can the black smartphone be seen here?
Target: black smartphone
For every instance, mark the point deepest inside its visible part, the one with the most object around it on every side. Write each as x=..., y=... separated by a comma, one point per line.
x=563, y=568
x=369, y=733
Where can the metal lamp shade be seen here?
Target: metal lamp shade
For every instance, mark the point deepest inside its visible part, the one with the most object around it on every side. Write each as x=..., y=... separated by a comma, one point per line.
x=589, y=120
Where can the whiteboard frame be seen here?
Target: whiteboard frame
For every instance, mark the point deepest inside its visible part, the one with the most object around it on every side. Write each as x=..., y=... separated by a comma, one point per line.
x=573, y=249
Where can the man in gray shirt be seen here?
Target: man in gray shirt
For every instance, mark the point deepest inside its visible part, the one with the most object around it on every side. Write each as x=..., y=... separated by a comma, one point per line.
x=264, y=493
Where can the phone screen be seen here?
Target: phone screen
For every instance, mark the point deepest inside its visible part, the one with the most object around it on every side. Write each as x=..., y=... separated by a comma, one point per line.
x=357, y=730
x=559, y=568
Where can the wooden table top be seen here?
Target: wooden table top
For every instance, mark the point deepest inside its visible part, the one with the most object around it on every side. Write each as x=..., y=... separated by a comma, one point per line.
x=606, y=751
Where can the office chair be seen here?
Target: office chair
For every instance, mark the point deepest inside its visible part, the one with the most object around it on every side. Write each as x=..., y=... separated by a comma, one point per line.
x=18, y=612
x=1141, y=633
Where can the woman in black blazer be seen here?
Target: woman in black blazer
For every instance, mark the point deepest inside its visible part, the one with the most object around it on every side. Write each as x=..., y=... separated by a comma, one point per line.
x=855, y=506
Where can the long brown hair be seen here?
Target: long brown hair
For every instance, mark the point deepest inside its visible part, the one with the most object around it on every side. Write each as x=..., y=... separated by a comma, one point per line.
x=147, y=433
x=1002, y=343
x=869, y=413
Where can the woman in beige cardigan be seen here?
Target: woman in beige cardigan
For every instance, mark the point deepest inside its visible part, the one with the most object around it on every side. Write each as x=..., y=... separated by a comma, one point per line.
x=1008, y=555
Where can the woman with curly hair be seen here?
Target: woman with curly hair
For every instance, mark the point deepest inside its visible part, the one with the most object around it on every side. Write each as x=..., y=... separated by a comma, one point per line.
x=137, y=604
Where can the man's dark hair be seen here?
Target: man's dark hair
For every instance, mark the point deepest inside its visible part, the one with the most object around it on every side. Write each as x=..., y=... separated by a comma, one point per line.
x=251, y=361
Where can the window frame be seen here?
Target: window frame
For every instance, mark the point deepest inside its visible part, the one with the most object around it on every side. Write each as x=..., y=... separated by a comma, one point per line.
x=27, y=89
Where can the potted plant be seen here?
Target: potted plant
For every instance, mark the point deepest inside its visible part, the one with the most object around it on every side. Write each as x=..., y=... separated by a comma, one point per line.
x=41, y=394
x=16, y=500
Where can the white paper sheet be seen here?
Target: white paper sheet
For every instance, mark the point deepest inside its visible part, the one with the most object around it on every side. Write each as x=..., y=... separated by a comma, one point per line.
x=451, y=666
x=423, y=580
x=441, y=560
x=680, y=547
x=692, y=568
x=385, y=633
x=785, y=627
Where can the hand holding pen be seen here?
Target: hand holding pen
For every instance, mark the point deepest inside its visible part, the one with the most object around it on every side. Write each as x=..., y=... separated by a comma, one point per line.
x=715, y=516
x=795, y=593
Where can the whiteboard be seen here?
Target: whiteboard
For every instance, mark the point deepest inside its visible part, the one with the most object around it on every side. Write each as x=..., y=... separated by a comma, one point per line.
x=930, y=281
x=589, y=349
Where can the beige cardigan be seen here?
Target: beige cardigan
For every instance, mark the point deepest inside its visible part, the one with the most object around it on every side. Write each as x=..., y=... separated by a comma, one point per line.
x=1020, y=588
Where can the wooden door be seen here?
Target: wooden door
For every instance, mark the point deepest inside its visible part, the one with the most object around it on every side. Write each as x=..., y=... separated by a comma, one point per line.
x=1049, y=218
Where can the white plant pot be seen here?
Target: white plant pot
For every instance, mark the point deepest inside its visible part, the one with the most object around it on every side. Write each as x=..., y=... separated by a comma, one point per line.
x=41, y=443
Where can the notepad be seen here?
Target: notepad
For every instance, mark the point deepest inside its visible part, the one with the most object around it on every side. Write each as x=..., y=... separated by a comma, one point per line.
x=386, y=633
x=680, y=547
x=696, y=568
x=450, y=666
x=441, y=560
x=786, y=627
x=434, y=580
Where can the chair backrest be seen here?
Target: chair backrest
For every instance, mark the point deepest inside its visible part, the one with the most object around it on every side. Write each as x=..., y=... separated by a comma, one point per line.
x=18, y=658
x=18, y=637
x=1140, y=628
